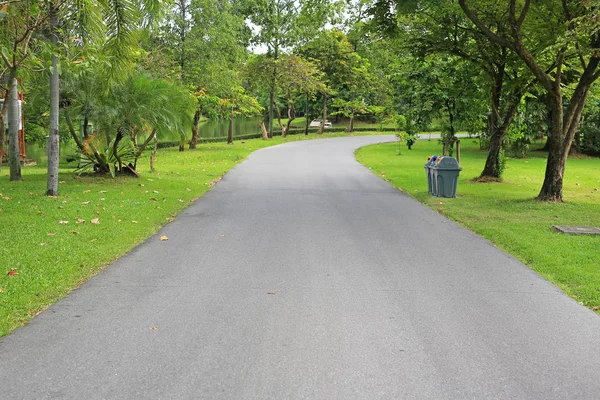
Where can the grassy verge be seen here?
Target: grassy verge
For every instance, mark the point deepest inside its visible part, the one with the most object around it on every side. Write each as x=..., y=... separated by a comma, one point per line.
x=50, y=246
x=507, y=214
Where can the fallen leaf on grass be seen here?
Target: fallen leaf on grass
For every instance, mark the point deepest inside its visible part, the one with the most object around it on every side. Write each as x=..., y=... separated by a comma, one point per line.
x=93, y=240
x=170, y=219
x=75, y=232
x=153, y=199
x=1, y=290
x=181, y=201
x=61, y=222
x=164, y=238
x=12, y=272
x=80, y=221
x=134, y=222
x=86, y=202
x=51, y=234
x=188, y=189
x=95, y=221
x=102, y=191
x=597, y=308
x=43, y=244
x=87, y=191
x=155, y=191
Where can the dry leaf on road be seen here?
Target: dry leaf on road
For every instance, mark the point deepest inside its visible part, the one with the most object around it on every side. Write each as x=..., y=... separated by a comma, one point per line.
x=164, y=238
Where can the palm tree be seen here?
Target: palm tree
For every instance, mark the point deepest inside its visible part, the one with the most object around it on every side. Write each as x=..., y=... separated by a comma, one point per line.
x=116, y=24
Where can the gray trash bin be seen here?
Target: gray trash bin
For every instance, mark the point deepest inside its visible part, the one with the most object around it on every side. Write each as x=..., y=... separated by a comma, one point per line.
x=430, y=161
x=445, y=173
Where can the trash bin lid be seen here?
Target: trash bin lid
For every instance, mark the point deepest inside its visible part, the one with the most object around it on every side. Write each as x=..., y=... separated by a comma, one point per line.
x=448, y=163
x=431, y=160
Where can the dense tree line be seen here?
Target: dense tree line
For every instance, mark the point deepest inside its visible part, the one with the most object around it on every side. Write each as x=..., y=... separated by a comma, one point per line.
x=114, y=77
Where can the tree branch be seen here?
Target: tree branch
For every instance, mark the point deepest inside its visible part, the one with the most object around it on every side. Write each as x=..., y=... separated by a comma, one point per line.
x=502, y=41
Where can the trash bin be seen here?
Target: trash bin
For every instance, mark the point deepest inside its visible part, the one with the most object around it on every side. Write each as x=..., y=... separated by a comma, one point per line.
x=445, y=171
x=429, y=173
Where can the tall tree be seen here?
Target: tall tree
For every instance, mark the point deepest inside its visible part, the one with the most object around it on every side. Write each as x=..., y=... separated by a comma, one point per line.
x=282, y=25
x=116, y=24
x=19, y=22
x=442, y=28
x=558, y=41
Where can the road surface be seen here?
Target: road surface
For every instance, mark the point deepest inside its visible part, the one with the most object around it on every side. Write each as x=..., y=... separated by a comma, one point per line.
x=302, y=275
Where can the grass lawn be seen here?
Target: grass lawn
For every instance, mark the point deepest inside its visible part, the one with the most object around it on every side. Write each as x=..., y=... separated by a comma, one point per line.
x=52, y=245
x=507, y=214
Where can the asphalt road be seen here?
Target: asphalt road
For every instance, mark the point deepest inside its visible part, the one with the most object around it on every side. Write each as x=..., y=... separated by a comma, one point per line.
x=302, y=275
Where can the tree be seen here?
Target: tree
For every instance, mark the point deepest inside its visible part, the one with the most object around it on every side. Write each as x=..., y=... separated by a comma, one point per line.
x=207, y=105
x=347, y=74
x=551, y=46
x=442, y=28
x=282, y=24
x=297, y=77
x=19, y=22
x=238, y=104
x=203, y=45
x=116, y=24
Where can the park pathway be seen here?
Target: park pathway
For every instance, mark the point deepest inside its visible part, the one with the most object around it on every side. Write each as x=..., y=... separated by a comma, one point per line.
x=302, y=275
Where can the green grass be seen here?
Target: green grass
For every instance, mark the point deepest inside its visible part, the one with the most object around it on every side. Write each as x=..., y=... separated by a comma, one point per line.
x=52, y=258
x=507, y=214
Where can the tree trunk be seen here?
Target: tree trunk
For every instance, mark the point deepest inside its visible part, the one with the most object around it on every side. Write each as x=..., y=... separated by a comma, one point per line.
x=195, y=129
x=91, y=153
x=322, y=126
x=271, y=114
x=492, y=163
x=291, y=117
x=86, y=134
x=141, y=149
x=14, y=118
x=263, y=130
x=153, y=154
x=283, y=132
x=12, y=74
x=53, y=139
x=561, y=139
x=351, y=124
x=2, y=137
x=553, y=179
x=230, y=131
x=115, y=148
x=306, y=114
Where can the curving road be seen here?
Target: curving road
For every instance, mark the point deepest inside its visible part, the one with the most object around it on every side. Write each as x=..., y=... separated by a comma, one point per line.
x=302, y=275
